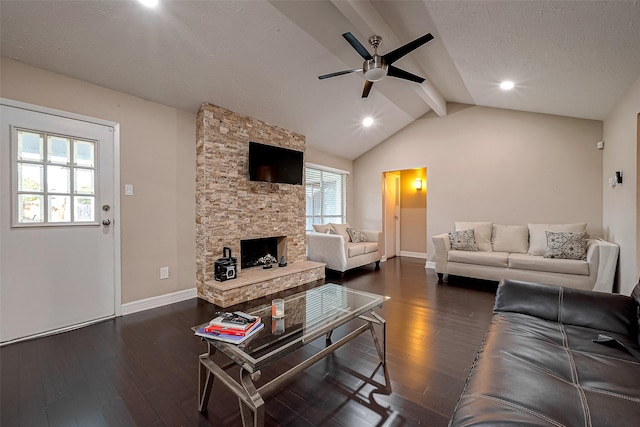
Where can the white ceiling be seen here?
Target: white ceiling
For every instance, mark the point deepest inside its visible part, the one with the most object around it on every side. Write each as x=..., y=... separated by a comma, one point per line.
x=262, y=59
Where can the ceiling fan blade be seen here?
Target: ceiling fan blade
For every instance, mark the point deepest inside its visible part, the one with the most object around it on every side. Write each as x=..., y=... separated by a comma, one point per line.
x=402, y=74
x=357, y=46
x=339, y=73
x=394, y=55
x=367, y=88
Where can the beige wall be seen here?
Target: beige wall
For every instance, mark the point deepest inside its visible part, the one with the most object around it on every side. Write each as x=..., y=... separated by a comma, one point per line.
x=157, y=156
x=488, y=164
x=413, y=212
x=620, y=204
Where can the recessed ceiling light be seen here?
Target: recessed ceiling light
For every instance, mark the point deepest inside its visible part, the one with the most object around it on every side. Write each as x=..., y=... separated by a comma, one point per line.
x=149, y=3
x=506, y=85
x=367, y=121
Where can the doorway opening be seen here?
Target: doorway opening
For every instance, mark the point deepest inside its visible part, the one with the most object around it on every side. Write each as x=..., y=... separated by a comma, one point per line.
x=404, y=213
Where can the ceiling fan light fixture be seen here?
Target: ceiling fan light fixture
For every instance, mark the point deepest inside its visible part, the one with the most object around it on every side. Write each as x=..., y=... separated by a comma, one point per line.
x=507, y=85
x=375, y=69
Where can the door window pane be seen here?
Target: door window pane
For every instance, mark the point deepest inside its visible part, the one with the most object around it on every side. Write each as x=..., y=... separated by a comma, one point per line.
x=85, y=153
x=59, y=209
x=85, y=208
x=30, y=146
x=30, y=208
x=55, y=179
x=58, y=179
x=85, y=183
x=59, y=150
x=30, y=177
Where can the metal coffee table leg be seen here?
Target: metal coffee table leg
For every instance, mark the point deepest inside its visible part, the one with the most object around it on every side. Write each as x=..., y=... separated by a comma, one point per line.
x=253, y=412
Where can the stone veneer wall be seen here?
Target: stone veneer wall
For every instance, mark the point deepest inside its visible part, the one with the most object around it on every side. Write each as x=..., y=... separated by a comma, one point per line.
x=229, y=207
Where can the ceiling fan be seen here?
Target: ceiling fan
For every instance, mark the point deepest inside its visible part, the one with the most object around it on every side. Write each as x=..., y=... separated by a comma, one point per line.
x=377, y=67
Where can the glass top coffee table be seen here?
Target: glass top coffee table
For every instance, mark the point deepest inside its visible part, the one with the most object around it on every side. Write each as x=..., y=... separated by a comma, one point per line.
x=308, y=316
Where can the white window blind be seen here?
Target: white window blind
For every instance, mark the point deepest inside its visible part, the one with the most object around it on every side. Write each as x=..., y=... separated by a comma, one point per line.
x=326, y=195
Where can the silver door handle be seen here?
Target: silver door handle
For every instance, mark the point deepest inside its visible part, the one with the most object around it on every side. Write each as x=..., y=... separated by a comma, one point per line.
x=106, y=222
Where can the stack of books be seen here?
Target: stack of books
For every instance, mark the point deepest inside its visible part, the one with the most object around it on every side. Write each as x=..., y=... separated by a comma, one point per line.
x=234, y=328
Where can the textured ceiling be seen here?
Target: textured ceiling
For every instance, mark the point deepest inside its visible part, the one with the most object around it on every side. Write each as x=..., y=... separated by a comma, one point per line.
x=262, y=59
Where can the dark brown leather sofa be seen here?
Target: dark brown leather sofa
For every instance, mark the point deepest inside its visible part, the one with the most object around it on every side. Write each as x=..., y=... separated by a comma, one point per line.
x=540, y=364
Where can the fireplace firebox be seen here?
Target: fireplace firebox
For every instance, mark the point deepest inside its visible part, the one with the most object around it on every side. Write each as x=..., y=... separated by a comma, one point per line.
x=253, y=249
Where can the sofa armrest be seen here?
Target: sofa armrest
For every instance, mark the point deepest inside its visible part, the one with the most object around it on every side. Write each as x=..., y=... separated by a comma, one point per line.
x=373, y=235
x=327, y=248
x=442, y=246
x=596, y=310
x=606, y=255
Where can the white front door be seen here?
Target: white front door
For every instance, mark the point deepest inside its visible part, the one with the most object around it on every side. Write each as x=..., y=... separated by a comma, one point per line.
x=57, y=229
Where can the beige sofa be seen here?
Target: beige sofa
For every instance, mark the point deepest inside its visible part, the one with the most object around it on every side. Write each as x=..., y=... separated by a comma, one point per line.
x=517, y=252
x=339, y=252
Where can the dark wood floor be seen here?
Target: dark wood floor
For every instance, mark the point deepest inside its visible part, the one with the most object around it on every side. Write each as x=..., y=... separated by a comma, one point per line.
x=141, y=369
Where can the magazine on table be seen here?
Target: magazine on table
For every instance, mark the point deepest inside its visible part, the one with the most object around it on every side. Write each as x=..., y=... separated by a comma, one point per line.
x=233, y=339
x=237, y=321
x=227, y=329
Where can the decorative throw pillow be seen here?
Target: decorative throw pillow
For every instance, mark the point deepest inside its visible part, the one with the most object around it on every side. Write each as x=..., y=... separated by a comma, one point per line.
x=510, y=238
x=538, y=238
x=463, y=240
x=356, y=235
x=322, y=228
x=341, y=229
x=481, y=232
x=566, y=245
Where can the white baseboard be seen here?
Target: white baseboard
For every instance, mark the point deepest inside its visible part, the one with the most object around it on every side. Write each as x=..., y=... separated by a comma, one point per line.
x=383, y=258
x=414, y=254
x=430, y=264
x=159, y=301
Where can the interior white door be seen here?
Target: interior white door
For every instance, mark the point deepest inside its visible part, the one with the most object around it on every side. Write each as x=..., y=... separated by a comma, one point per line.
x=56, y=272
x=391, y=196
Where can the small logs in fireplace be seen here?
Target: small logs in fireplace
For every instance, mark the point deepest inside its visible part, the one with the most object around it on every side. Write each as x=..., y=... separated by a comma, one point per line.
x=253, y=249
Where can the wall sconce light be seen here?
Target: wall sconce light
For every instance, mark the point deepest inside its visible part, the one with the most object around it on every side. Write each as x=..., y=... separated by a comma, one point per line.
x=418, y=184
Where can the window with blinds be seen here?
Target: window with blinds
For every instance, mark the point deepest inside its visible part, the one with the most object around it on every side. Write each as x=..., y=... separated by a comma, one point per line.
x=326, y=195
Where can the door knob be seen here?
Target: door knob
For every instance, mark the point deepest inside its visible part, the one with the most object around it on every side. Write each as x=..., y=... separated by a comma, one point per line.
x=106, y=222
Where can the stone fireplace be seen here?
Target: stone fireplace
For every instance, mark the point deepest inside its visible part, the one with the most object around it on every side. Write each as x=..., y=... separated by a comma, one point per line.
x=253, y=249
x=231, y=209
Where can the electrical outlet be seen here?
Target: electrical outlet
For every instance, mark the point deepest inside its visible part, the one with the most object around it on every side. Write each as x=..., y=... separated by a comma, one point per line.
x=164, y=273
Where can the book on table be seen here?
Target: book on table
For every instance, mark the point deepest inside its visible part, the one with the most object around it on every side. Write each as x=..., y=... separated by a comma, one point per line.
x=233, y=339
x=231, y=329
x=237, y=323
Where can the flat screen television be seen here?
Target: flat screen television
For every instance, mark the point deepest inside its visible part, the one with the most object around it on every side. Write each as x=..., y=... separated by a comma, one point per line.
x=275, y=164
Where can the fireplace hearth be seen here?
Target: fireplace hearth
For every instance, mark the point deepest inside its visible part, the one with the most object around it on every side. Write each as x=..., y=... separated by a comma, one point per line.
x=253, y=249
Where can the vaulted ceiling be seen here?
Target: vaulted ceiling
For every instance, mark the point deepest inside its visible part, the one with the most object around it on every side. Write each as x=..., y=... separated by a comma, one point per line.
x=262, y=59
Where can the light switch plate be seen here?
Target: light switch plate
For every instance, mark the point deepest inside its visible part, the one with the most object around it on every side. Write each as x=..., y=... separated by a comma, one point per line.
x=128, y=190
x=164, y=273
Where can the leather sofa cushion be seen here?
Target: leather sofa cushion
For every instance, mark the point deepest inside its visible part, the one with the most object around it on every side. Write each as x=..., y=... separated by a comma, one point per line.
x=601, y=311
x=493, y=259
x=539, y=263
x=532, y=372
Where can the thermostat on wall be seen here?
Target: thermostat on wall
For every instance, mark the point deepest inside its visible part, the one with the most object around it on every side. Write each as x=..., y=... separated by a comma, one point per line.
x=600, y=145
